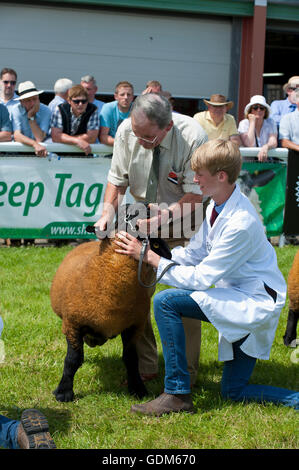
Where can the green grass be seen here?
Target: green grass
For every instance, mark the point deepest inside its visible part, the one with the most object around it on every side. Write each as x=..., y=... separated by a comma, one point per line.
x=99, y=418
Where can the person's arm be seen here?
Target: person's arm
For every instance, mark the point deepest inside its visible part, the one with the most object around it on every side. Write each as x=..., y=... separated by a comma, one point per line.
x=105, y=138
x=81, y=141
x=271, y=144
x=5, y=136
x=236, y=139
x=39, y=149
x=286, y=143
x=112, y=198
x=248, y=138
x=38, y=133
x=185, y=206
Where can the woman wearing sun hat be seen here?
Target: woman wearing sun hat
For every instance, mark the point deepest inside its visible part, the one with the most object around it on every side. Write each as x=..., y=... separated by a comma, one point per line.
x=258, y=129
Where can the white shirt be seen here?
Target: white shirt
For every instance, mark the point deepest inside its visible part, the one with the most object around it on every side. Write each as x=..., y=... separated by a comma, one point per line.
x=236, y=257
x=268, y=127
x=289, y=127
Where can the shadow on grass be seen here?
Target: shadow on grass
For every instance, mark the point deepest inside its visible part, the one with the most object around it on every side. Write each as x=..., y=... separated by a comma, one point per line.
x=110, y=373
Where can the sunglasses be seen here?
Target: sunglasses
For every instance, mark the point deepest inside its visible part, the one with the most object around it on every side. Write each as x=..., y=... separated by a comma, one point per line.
x=11, y=82
x=257, y=106
x=79, y=101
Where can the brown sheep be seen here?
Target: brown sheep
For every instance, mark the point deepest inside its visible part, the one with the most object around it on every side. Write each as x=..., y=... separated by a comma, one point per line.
x=97, y=295
x=293, y=291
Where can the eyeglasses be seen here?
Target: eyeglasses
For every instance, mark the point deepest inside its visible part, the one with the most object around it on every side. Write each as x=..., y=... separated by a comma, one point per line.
x=79, y=101
x=257, y=106
x=293, y=88
x=11, y=82
x=145, y=140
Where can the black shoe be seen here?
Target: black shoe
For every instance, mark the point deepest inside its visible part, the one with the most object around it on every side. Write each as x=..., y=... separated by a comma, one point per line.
x=33, y=432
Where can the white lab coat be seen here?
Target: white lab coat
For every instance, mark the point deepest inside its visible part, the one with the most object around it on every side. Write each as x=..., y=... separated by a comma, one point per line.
x=236, y=257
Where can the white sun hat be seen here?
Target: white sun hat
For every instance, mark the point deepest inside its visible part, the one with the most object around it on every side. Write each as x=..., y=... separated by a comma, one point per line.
x=257, y=99
x=27, y=90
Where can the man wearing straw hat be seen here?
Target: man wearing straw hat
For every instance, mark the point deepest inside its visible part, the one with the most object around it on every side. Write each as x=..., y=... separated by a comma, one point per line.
x=281, y=107
x=216, y=122
x=30, y=118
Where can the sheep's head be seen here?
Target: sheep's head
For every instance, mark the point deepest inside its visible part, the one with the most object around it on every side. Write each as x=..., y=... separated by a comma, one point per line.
x=126, y=220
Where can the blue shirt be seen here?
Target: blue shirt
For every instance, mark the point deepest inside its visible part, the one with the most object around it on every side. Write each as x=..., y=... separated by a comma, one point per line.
x=112, y=117
x=20, y=120
x=289, y=127
x=5, y=123
x=57, y=100
x=9, y=104
x=99, y=104
x=281, y=107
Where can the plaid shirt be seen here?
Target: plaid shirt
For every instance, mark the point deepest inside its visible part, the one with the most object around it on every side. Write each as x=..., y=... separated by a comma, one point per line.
x=93, y=122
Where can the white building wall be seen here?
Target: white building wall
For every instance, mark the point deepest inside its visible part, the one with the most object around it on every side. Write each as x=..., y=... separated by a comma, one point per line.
x=189, y=56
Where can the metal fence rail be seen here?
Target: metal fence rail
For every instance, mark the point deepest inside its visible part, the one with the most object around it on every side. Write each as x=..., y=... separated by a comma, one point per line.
x=101, y=149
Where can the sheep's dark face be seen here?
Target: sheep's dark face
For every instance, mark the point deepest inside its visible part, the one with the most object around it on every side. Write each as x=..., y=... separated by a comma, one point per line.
x=128, y=215
x=159, y=246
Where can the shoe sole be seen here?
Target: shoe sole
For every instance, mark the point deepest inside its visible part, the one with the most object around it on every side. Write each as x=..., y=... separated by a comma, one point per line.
x=36, y=428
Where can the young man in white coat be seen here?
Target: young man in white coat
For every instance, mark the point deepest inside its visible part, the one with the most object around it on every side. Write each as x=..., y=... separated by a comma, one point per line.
x=231, y=252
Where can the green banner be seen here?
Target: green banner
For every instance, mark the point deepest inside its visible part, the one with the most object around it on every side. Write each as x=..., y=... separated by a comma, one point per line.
x=265, y=185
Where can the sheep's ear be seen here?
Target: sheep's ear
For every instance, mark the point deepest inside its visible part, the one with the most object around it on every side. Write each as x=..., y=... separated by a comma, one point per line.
x=159, y=246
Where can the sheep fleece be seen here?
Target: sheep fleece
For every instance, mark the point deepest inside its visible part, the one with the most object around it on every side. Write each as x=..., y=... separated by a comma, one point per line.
x=96, y=287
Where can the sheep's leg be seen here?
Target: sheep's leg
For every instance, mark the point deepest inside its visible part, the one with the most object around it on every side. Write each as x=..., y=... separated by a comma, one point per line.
x=73, y=360
x=130, y=358
x=291, y=329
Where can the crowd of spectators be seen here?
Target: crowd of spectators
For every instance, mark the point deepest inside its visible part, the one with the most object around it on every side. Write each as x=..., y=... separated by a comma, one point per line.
x=75, y=116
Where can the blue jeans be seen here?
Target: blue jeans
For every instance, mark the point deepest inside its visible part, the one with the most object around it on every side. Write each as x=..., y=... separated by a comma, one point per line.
x=169, y=306
x=8, y=433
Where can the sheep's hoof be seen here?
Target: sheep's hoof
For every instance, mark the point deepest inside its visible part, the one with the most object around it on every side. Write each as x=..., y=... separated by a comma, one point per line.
x=64, y=396
x=138, y=391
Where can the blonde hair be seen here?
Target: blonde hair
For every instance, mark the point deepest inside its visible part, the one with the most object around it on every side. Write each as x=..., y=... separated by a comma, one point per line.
x=123, y=84
x=218, y=155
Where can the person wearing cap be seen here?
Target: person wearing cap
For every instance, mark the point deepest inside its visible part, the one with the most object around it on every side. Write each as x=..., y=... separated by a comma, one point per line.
x=61, y=88
x=7, y=89
x=258, y=129
x=77, y=121
x=216, y=122
x=31, y=118
x=289, y=127
x=281, y=107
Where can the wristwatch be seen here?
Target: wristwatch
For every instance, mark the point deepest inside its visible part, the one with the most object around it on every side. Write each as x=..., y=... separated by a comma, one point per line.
x=31, y=118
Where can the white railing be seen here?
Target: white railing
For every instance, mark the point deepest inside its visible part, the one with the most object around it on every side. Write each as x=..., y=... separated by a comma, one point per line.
x=247, y=153
x=16, y=147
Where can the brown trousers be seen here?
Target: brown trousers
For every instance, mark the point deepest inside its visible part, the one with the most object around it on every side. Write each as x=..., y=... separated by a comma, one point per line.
x=147, y=347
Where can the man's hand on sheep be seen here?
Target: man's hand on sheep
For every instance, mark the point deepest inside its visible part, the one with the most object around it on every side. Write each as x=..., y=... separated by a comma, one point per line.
x=158, y=218
x=130, y=246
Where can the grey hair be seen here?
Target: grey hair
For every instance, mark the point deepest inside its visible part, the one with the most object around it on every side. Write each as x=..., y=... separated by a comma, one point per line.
x=155, y=107
x=88, y=79
x=62, y=85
